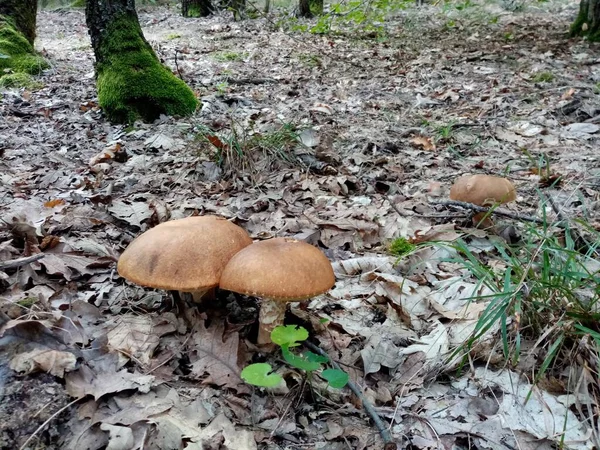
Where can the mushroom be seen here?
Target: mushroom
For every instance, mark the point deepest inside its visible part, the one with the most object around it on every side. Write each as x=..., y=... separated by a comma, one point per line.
x=280, y=270
x=186, y=255
x=483, y=190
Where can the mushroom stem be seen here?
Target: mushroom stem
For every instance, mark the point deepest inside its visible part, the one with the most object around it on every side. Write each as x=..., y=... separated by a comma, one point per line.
x=271, y=315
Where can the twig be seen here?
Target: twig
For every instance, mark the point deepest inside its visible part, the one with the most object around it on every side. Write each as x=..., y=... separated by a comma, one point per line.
x=388, y=442
x=50, y=419
x=21, y=261
x=498, y=212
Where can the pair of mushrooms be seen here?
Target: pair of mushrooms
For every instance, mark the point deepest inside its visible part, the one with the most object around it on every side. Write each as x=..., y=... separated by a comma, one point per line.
x=200, y=253
x=483, y=190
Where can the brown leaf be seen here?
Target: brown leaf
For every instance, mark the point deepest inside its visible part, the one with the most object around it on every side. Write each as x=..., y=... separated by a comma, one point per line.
x=42, y=359
x=102, y=376
x=426, y=143
x=214, y=356
x=54, y=203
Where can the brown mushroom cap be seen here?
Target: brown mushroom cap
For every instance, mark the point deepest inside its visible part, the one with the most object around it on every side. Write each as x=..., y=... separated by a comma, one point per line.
x=185, y=255
x=483, y=190
x=281, y=269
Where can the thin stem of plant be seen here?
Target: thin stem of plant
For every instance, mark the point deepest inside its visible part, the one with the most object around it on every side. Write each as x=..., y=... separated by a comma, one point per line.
x=388, y=442
x=50, y=419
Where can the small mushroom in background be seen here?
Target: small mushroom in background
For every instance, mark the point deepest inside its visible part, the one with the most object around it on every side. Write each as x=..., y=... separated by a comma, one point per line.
x=280, y=271
x=483, y=190
x=185, y=255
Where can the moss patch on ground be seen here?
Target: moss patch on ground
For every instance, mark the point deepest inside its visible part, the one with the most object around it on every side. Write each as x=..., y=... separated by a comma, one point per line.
x=132, y=83
x=19, y=80
x=16, y=53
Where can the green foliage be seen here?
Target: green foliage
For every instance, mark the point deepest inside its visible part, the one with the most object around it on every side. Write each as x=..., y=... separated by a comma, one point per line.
x=132, y=83
x=400, y=247
x=19, y=80
x=543, y=77
x=353, y=16
x=548, y=292
x=287, y=337
x=18, y=53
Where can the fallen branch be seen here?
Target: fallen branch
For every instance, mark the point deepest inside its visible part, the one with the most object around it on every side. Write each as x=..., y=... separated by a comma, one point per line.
x=20, y=261
x=388, y=442
x=483, y=209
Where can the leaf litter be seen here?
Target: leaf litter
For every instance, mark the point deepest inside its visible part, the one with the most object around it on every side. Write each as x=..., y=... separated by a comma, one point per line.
x=384, y=126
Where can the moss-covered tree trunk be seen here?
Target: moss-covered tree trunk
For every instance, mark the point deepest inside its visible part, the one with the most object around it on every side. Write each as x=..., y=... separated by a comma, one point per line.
x=196, y=8
x=23, y=14
x=588, y=20
x=131, y=81
x=18, y=59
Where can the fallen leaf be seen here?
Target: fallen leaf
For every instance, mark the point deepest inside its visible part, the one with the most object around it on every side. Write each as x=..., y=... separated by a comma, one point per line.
x=426, y=143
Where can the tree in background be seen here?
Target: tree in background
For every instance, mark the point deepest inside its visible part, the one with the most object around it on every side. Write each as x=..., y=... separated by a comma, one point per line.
x=310, y=8
x=131, y=81
x=196, y=8
x=18, y=59
x=588, y=20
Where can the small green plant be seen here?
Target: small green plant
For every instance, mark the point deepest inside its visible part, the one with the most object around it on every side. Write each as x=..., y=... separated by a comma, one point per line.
x=401, y=247
x=173, y=36
x=240, y=149
x=444, y=132
x=543, y=77
x=309, y=60
x=222, y=87
x=230, y=56
x=288, y=337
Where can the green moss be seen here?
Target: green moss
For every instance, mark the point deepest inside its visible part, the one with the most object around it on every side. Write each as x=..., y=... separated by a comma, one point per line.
x=19, y=80
x=132, y=83
x=401, y=247
x=194, y=11
x=543, y=77
x=17, y=53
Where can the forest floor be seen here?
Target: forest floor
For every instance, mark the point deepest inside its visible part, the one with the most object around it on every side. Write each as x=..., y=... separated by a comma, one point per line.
x=386, y=123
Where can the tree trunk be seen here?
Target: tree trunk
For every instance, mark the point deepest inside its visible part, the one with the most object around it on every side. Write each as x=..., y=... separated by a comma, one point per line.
x=131, y=81
x=588, y=20
x=23, y=14
x=304, y=9
x=239, y=9
x=196, y=8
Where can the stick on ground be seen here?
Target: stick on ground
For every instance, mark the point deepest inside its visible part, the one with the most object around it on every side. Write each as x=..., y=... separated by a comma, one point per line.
x=388, y=442
x=20, y=261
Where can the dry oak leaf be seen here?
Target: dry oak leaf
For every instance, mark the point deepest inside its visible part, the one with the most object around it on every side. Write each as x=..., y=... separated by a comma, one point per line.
x=426, y=143
x=102, y=376
x=214, y=356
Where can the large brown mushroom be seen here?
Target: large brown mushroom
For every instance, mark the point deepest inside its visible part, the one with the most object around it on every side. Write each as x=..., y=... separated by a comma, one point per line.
x=186, y=255
x=278, y=270
x=483, y=190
